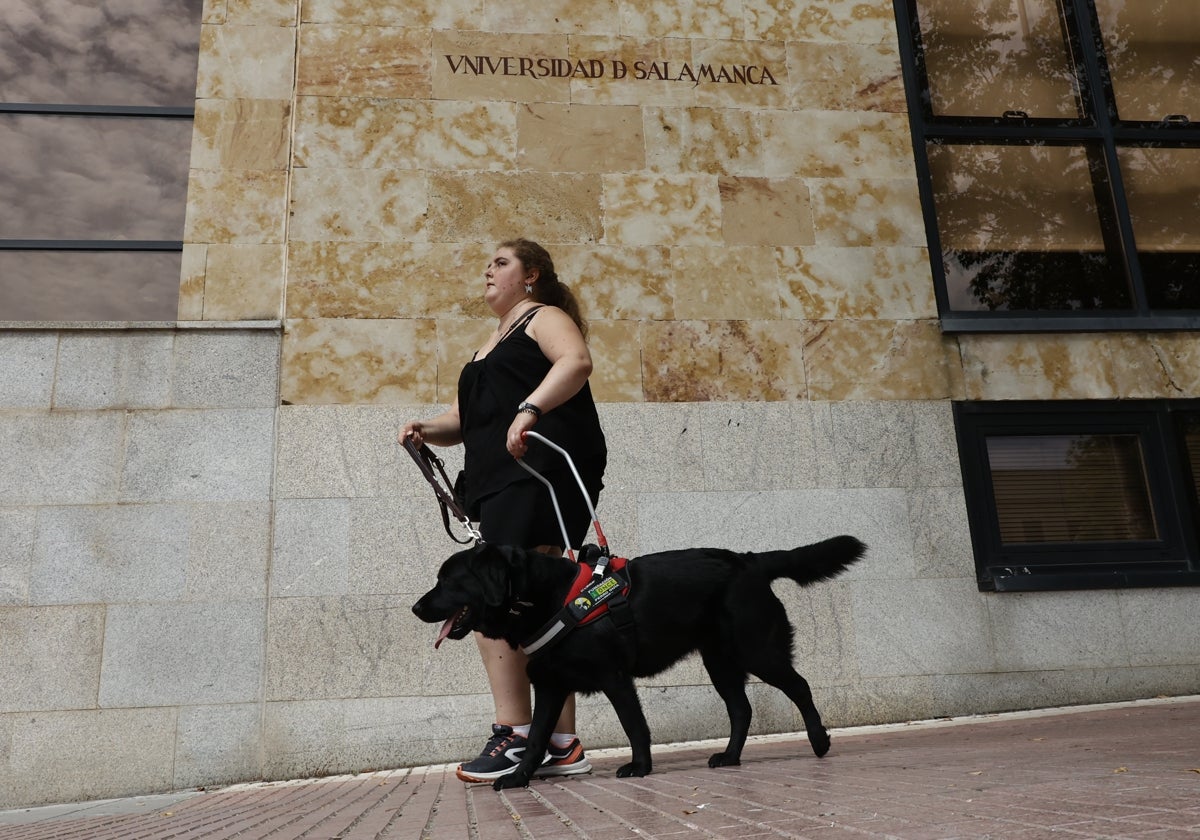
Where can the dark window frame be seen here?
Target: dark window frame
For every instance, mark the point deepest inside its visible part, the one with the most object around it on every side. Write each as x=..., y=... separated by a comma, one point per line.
x=83, y=112
x=1099, y=125
x=1172, y=560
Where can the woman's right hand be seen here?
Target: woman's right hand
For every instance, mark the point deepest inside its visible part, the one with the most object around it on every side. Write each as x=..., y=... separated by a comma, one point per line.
x=413, y=430
x=443, y=430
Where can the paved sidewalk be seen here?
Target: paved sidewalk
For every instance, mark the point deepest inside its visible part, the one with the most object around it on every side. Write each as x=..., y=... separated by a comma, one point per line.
x=1114, y=771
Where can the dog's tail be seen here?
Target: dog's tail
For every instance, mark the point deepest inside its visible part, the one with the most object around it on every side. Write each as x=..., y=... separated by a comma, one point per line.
x=811, y=563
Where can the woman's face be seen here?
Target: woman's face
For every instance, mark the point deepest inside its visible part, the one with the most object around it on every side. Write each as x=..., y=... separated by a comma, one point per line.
x=505, y=276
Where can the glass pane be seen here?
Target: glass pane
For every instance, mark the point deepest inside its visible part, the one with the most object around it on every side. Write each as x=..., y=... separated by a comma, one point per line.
x=89, y=285
x=93, y=177
x=1163, y=188
x=985, y=57
x=1020, y=228
x=1153, y=51
x=1070, y=488
x=1191, y=446
x=100, y=52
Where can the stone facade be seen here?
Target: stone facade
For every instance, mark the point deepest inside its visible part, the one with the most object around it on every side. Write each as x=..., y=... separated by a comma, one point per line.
x=212, y=541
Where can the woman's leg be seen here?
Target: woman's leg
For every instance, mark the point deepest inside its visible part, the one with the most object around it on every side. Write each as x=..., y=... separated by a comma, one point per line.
x=509, y=683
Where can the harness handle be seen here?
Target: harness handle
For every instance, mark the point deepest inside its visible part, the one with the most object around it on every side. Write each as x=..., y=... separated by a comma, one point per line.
x=600, y=539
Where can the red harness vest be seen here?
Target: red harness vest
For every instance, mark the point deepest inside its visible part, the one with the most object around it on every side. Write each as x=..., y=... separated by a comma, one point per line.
x=588, y=599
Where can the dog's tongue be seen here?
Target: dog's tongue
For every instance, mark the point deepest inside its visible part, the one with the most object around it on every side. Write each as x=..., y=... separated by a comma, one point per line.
x=445, y=631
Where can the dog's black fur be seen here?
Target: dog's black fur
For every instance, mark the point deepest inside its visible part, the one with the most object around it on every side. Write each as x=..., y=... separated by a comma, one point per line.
x=709, y=600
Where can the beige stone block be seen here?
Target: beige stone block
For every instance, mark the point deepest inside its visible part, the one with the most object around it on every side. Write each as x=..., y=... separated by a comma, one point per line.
x=1156, y=365
x=340, y=361
x=637, y=71
x=824, y=284
x=748, y=74
x=580, y=138
x=353, y=133
x=213, y=11
x=246, y=62
x=596, y=17
x=385, y=280
x=357, y=205
x=845, y=77
x=491, y=207
x=1038, y=367
x=617, y=284
x=443, y=14
x=661, y=210
x=243, y=282
x=841, y=21
x=829, y=144
x=873, y=212
x=762, y=211
x=881, y=360
x=717, y=141
x=457, y=341
x=482, y=66
x=241, y=134
x=236, y=206
x=720, y=283
x=191, y=283
x=263, y=12
x=616, y=361
x=702, y=361
x=348, y=60
x=697, y=19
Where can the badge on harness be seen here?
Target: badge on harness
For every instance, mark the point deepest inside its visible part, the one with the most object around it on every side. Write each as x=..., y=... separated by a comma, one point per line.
x=594, y=595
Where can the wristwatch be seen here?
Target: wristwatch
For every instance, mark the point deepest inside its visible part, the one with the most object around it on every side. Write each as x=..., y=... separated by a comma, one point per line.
x=529, y=408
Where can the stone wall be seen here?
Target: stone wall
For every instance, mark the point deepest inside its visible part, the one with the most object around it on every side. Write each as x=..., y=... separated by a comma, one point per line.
x=135, y=537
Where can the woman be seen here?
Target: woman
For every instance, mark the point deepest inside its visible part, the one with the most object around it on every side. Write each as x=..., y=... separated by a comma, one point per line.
x=532, y=371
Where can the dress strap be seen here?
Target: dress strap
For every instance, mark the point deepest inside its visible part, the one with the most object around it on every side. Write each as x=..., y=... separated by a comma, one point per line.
x=520, y=322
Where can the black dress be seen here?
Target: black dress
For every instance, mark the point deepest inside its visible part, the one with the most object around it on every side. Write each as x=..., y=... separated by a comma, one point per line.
x=489, y=391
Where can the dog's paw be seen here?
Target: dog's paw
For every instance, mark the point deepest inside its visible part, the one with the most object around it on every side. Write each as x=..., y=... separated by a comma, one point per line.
x=722, y=760
x=819, y=739
x=514, y=779
x=633, y=768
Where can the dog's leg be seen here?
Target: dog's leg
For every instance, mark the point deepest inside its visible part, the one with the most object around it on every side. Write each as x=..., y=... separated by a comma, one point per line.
x=784, y=677
x=548, y=703
x=730, y=683
x=622, y=693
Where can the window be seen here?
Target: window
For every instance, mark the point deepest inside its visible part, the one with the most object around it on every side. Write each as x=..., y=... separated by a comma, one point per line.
x=1081, y=495
x=96, y=106
x=1058, y=153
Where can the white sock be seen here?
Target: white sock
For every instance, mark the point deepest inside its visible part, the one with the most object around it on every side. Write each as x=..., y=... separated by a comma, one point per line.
x=562, y=739
x=522, y=730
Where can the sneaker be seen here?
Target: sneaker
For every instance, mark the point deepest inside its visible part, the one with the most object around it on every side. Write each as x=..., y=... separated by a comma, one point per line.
x=500, y=756
x=564, y=761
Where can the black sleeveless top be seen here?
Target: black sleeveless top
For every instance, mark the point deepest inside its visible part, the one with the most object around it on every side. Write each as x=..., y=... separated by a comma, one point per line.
x=489, y=391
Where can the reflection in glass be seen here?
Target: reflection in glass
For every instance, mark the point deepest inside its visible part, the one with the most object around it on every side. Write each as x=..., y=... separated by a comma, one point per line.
x=100, y=52
x=93, y=177
x=1153, y=53
x=89, y=285
x=1070, y=488
x=1190, y=427
x=986, y=57
x=1020, y=228
x=1163, y=189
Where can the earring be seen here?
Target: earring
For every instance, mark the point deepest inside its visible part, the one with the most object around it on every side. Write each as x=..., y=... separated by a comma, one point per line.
x=528, y=288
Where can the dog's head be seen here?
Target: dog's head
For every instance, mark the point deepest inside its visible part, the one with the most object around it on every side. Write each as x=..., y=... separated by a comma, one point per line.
x=472, y=586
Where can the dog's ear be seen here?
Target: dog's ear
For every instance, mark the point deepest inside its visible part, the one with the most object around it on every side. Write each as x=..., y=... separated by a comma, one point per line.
x=490, y=567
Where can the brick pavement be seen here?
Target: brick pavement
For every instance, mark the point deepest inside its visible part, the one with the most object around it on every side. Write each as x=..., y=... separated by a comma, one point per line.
x=1118, y=771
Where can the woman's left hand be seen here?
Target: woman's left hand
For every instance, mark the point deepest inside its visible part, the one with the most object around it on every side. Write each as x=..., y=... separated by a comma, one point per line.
x=515, y=440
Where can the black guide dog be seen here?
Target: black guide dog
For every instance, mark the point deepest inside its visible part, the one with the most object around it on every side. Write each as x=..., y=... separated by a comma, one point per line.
x=713, y=601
